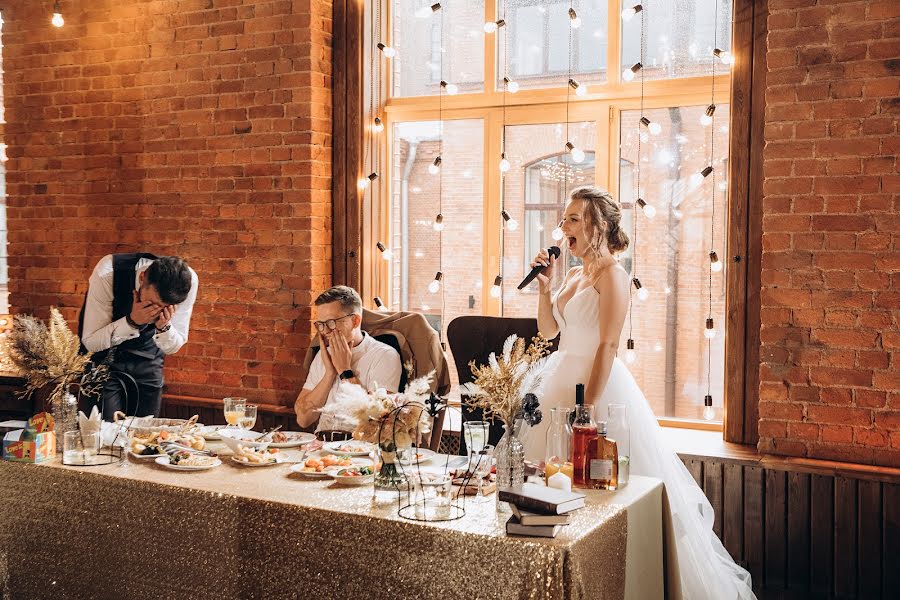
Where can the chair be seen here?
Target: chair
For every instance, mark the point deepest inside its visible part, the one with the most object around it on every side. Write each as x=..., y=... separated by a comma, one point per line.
x=474, y=338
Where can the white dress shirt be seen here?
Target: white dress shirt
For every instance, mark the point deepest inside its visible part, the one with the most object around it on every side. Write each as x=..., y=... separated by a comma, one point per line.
x=101, y=332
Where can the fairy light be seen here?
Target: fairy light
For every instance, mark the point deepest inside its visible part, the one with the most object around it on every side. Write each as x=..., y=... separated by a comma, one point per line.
x=577, y=153
x=653, y=127
x=641, y=292
x=710, y=331
x=435, y=284
x=557, y=234
x=630, y=354
x=511, y=86
x=706, y=118
x=649, y=209
x=709, y=413
x=435, y=167
x=629, y=73
x=725, y=56
x=715, y=265
x=496, y=289
x=379, y=305
x=377, y=125
x=580, y=90
x=57, y=19
x=628, y=13
x=386, y=50
x=504, y=163
x=451, y=88
x=386, y=253
x=438, y=224
x=574, y=19
x=493, y=26
x=511, y=224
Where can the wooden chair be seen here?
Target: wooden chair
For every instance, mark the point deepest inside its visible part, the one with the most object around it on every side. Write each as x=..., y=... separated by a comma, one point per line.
x=474, y=338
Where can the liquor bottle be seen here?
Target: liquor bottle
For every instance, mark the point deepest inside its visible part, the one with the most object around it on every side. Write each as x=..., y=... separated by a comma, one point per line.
x=603, y=461
x=584, y=437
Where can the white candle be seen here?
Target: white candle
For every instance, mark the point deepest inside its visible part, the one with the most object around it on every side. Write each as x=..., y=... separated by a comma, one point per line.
x=560, y=481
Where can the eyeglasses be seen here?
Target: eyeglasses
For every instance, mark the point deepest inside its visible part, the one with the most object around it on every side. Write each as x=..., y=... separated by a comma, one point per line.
x=330, y=324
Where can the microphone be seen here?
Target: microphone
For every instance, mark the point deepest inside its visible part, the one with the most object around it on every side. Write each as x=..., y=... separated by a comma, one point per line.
x=538, y=269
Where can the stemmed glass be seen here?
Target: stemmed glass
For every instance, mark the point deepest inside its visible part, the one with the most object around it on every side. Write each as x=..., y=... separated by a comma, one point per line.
x=248, y=420
x=476, y=436
x=234, y=410
x=483, y=463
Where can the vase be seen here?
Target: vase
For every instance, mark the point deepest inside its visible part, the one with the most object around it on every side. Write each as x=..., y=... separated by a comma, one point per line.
x=510, y=454
x=65, y=417
x=389, y=478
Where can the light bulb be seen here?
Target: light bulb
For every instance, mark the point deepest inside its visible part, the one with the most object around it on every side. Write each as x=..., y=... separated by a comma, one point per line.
x=726, y=58
x=577, y=155
x=709, y=413
x=628, y=13
x=649, y=209
x=434, y=286
x=452, y=89
x=512, y=87
x=423, y=12
x=557, y=234
x=705, y=120
x=386, y=253
x=438, y=224
x=490, y=27
x=581, y=91
x=504, y=165
x=362, y=183
x=496, y=290
x=512, y=225
x=386, y=50
x=710, y=331
x=574, y=19
x=377, y=125
x=57, y=19
x=630, y=356
x=629, y=73
x=715, y=265
x=643, y=294
x=696, y=180
x=379, y=305
x=435, y=167
x=655, y=128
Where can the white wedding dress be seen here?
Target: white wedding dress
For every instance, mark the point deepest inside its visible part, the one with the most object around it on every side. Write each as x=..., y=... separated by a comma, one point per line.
x=705, y=568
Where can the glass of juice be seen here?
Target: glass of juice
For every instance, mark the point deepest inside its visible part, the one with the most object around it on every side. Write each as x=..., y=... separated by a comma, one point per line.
x=234, y=410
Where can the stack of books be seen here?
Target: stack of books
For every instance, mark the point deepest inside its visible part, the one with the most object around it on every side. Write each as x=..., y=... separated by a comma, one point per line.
x=539, y=511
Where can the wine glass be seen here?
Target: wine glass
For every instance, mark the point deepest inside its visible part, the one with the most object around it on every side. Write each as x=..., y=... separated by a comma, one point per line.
x=248, y=419
x=476, y=436
x=483, y=463
x=234, y=410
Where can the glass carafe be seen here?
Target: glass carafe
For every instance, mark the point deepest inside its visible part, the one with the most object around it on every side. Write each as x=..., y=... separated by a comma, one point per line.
x=559, y=444
x=584, y=436
x=617, y=429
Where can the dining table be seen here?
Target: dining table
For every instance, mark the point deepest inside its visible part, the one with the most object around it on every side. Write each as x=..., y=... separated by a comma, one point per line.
x=135, y=529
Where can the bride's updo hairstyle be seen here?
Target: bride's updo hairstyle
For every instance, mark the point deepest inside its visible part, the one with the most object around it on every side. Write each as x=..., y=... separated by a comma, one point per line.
x=603, y=213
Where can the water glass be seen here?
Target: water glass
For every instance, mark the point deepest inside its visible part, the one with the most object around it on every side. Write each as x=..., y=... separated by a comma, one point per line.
x=248, y=419
x=234, y=410
x=80, y=448
x=432, y=495
x=483, y=462
x=476, y=436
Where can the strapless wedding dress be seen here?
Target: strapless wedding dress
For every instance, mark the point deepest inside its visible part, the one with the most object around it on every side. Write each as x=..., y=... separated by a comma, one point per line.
x=705, y=568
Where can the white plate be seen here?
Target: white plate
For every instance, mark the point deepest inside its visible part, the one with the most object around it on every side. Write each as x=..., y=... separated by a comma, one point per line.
x=163, y=461
x=298, y=469
x=211, y=432
x=351, y=480
x=144, y=456
x=236, y=437
x=423, y=456
x=328, y=471
x=278, y=461
x=335, y=448
x=300, y=438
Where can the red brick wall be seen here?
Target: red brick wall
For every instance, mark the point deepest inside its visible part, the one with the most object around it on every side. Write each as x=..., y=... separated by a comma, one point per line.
x=200, y=128
x=830, y=373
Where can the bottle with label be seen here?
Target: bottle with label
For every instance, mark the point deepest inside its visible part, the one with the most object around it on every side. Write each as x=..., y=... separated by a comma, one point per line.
x=584, y=438
x=603, y=461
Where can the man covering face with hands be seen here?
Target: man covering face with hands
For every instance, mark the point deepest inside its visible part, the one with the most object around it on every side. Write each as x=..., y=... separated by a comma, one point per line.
x=139, y=306
x=346, y=354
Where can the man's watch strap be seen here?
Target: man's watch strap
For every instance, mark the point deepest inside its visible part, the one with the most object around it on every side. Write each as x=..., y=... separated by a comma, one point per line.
x=164, y=328
x=348, y=374
x=131, y=322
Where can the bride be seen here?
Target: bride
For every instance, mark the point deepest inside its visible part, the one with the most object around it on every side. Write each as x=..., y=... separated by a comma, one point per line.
x=589, y=311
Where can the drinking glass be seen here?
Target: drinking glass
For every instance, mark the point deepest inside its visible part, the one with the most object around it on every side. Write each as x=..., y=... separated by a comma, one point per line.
x=559, y=444
x=234, y=410
x=248, y=419
x=476, y=436
x=483, y=464
x=80, y=448
x=432, y=494
x=617, y=430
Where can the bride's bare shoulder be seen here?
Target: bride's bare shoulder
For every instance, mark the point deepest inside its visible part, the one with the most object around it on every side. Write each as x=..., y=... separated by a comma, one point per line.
x=615, y=277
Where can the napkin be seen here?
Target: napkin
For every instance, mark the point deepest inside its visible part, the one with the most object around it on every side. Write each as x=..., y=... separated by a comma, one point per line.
x=91, y=424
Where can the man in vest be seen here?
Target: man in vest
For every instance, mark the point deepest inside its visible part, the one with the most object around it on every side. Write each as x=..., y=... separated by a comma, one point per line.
x=139, y=306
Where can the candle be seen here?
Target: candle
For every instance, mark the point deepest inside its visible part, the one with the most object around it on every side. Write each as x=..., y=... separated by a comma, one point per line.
x=560, y=481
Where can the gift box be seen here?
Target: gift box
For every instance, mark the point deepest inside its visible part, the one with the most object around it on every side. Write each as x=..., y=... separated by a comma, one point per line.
x=36, y=443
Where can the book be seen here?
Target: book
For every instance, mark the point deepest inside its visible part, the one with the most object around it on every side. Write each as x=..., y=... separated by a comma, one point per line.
x=529, y=518
x=513, y=527
x=541, y=499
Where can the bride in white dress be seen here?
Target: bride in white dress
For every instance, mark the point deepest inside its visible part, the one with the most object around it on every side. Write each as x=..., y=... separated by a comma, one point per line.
x=589, y=311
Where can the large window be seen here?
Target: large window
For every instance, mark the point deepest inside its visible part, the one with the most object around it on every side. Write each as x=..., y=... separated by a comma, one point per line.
x=474, y=242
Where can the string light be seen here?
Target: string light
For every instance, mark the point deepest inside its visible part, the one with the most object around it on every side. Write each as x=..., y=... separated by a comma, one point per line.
x=724, y=56
x=504, y=163
x=496, y=289
x=580, y=90
x=649, y=209
x=715, y=265
x=435, y=284
x=451, y=88
x=706, y=118
x=511, y=223
x=630, y=354
x=574, y=19
x=628, y=13
x=438, y=224
x=653, y=127
x=710, y=331
x=709, y=413
x=386, y=50
x=642, y=293
x=435, y=167
x=629, y=73
x=57, y=19
x=362, y=183
x=577, y=153
x=493, y=26
x=557, y=234
x=386, y=253
x=377, y=125
x=379, y=305
x=511, y=86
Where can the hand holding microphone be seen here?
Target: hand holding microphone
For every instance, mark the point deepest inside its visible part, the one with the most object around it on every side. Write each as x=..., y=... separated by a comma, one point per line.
x=542, y=267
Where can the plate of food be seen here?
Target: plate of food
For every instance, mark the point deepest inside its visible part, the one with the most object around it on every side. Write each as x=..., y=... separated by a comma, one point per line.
x=211, y=432
x=249, y=457
x=414, y=456
x=238, y=438
x=349, y=447
x=290, y=439
x=150, y=445
x=188, y=461
x=354, y=475
x=320, y=464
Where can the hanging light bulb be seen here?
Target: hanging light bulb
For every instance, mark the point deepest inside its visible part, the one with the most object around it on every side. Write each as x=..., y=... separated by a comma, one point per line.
x=706, y=118
x=580, y=90
x=557, y=234
x=628, y=13
x=715, y=265
x=577, y=153
x=451, y=88
x=511, y=223
x=504, y=163
x=653, y=127
x=649, y=209
x=377, y=125
x=725, y=56
x=492, y=26
x=438, y=224
x=629, y=73
x=574, y=19
x=630, y=354
x=362, y=183
x=435, y=167
x=386, y=253
x=496, y=289
x=709, y=413
x=386, y=50
x=379, y=305
x=435, y=284
x=511, y=86
x=435, y=7
x=642, y=293
x=57, y=19
x=710, y=331
x=423, y=12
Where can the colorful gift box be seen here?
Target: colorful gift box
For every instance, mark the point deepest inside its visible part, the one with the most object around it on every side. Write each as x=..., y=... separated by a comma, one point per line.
x=36, y=443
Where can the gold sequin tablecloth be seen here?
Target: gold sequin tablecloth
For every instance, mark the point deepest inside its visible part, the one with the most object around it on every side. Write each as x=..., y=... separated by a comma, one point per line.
x=137, y=530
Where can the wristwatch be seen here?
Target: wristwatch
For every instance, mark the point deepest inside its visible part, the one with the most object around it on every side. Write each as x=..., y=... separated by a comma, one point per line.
x=164, y=329
x=348, y=374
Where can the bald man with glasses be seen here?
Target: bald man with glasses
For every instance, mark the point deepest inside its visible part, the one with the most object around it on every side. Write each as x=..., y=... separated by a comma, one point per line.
x=347, y=354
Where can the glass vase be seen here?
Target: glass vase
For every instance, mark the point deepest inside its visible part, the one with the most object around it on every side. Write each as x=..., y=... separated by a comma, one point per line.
x=65, y=417
x=389, y=477
x=510, y=455
x=617, y=430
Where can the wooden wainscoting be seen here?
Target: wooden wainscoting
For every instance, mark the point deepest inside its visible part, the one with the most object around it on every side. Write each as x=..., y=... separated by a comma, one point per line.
x=806, y=529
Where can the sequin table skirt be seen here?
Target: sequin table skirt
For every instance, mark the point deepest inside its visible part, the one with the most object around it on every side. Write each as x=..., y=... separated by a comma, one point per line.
x=141, y=531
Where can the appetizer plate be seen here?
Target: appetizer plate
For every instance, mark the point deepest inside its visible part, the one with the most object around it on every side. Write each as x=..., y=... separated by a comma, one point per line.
x=348, y=447
x=355, y=475
x=163, y=461
x=295, y=439
x=211, y=432
x=137, y=456
x=278, y=460
x=421, y=455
